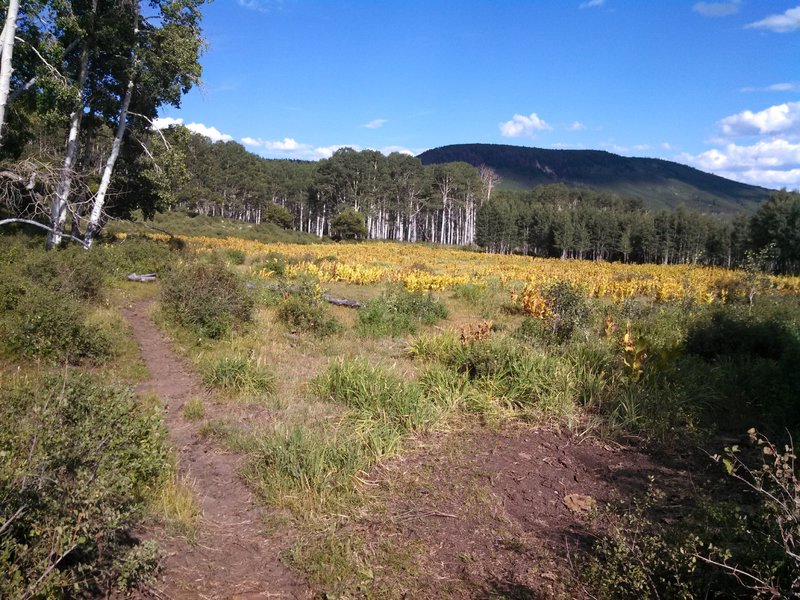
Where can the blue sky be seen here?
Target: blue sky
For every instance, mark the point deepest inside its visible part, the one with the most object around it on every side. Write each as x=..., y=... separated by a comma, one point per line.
x=712, y=84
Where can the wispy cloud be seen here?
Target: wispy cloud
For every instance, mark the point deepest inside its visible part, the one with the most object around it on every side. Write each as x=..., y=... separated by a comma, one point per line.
x=775, y=87
x=591, y=4
x=717, y=9
x=374, y=124
x=781, y=23
x=523, y=126
x=576, y=126
x=262, y=6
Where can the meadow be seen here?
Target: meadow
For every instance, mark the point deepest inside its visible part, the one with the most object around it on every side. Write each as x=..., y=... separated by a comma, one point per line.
x=408, y=443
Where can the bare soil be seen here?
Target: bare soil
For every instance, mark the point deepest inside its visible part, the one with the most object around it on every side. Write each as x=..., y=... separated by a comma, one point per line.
x=233, y=555
x=498, y=514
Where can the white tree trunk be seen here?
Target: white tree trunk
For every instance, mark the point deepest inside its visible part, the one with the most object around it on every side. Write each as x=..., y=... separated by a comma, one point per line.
x=58, y=208
x=6, y=68
x=100, y=198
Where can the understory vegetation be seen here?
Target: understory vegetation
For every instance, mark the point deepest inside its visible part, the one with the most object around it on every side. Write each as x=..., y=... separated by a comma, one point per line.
x=351, y=389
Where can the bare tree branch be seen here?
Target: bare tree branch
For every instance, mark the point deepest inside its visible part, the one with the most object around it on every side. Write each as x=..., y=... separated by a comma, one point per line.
x=43, y=226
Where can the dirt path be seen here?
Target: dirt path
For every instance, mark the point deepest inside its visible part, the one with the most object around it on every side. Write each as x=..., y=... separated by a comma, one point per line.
x=233, y=556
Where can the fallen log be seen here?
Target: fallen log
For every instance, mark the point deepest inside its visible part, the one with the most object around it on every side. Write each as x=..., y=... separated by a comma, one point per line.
x=327, y=297
x=341, y=301
x=143, y=278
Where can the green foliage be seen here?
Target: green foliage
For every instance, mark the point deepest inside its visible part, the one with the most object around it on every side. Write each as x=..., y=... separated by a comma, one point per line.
x=206, y=297
x=776, y=570
x=398, y=312
x=274, y=213
x=235, y=256
x=136, y=254
x=636, y=559
x=79, y=461
x=304, y=309
x=752, y=361
x=50, y=325
x=348, y=225
x=569, y=307
x=240, y=375
x=71, y=271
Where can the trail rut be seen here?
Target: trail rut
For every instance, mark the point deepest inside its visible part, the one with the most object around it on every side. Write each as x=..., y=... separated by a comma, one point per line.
x=233, y=556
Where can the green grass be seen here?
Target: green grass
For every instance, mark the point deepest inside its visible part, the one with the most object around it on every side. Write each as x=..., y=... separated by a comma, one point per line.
x=240, y=375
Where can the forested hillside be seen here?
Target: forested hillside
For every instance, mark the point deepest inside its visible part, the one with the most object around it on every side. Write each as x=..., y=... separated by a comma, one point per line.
x=657, y=183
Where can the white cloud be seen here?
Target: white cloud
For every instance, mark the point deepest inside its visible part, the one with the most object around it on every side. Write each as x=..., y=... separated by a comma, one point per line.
x=165, y=122
x=665, y=146
x=576, y=126
x=775, y=87
x=387, y=150
x=285, y=145
x=374, y=124
x=783, y=119
x=592, y=4
x=783, y=23
x=212, y=133
x=522, y=126
x=769, y=163
x=327, y=151
x=717, y=9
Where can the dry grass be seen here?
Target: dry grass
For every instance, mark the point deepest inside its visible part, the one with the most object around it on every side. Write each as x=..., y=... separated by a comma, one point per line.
x=175, y=505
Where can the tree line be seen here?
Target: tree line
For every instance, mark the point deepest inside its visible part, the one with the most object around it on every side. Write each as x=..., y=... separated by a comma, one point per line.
x=397, y=198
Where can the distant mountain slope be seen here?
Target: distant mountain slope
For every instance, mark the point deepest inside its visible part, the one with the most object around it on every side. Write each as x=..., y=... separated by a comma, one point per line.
x=658, y=183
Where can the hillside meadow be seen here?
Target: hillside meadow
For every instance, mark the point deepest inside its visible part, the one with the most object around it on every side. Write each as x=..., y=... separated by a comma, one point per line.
x=480, y=426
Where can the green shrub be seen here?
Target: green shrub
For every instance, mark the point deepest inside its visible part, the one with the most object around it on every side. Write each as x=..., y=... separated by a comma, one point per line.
x=235, y=256
x=71, y=271
x=398, y=312
x=273, y=261
x=569, y=306
x=206, y=297
x=240, y=375
x=305, y=310
x=78, y=461
x=51, y=325
x=636, y=559
x=137, y=254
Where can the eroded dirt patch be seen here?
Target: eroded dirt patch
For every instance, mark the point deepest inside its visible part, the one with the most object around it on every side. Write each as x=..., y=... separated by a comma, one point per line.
x=233, y=555
x=482, y=513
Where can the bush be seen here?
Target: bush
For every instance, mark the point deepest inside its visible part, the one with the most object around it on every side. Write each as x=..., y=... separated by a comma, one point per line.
x=305, y=310
x=398, y=312
x=72, y=271
x=569, y=307
x=137, y=254
x=235, y=256
x=206, y=297
x=78, y=463
x=51, y=325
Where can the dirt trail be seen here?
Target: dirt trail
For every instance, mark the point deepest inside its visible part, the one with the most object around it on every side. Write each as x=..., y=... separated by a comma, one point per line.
x=233, y=556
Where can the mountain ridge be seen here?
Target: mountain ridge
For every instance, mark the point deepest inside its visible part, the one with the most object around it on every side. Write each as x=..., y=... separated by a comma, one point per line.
x=657, y=182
